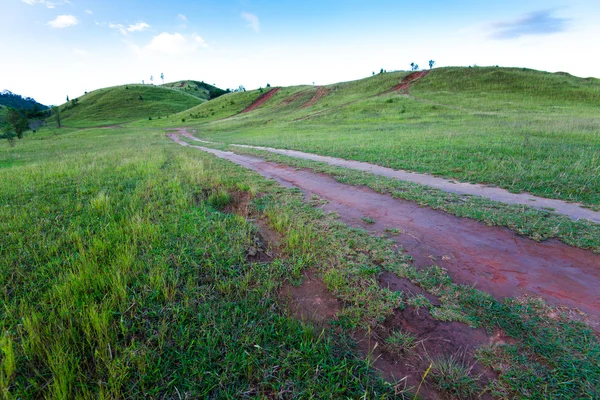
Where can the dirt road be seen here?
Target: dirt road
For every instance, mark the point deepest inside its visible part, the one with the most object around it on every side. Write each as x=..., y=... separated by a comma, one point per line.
x=490, y=258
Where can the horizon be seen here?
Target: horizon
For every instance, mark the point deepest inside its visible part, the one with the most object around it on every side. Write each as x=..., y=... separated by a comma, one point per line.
x=66, y=48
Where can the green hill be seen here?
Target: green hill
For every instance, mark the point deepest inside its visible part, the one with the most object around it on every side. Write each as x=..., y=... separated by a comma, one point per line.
x=515, y=128
x=197, y=89
x=126, y=103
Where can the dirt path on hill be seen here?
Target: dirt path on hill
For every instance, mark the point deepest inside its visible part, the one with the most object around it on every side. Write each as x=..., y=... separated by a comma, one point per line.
x=261, y=100
x=492, y=259
x=408, y=81
x=320, y=93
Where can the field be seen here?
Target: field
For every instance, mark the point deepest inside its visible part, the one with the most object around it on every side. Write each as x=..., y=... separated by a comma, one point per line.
x=135, y=267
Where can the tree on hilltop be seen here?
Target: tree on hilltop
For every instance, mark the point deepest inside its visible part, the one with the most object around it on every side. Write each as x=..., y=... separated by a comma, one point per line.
x=431, y=64
x=162, y=76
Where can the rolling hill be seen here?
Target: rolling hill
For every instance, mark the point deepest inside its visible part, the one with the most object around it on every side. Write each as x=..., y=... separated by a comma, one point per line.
x=10, y=99
x=201, y=90
x=125, y=103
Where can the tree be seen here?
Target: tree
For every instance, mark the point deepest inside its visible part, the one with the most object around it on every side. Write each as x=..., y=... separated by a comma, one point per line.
x=67, y=98
x=143, y=83
x=9, y=135
x=17, y=121
x=162, y=76
x=151, y=79
x=431, y=64
x=268, y=85
x=414, y=67
x=56, y=111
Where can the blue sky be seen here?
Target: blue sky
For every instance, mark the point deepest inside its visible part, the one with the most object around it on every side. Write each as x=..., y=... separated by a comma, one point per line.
x=55, y=48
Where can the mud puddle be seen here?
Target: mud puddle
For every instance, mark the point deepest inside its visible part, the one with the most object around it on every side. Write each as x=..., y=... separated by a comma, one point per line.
x=492, y=259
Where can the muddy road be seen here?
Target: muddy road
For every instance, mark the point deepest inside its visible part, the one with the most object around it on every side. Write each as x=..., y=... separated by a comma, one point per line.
x=492, y=259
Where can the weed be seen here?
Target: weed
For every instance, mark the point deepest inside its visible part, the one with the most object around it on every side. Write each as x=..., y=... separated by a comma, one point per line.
x=454, y=377
x=400, y=342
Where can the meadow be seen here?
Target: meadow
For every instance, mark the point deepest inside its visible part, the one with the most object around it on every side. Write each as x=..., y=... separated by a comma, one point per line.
x=134, y=267
x=526, y=131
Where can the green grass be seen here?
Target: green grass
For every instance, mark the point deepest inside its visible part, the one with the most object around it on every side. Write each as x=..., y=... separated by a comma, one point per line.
x=197, y=89
x=122, y=276
x=127, y=103
x=536, y=224
x=521, y=130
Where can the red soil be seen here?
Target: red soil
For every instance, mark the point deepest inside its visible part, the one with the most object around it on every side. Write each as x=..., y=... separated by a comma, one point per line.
x=261, y=100
x=409, y=80
x=320, y=93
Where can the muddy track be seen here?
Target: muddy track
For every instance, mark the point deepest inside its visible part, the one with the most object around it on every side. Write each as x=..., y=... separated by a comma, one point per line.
x=492, y=259
x=320, y=93
x=261, y=100
x=408, y=81
x=573, y=210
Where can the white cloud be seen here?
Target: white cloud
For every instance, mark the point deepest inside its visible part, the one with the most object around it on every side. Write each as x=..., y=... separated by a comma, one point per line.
x=182, y=17
x=63, y=21
x=138, y=27
x=118, y=27
x=47, y=3
x=88, y=12
x=176, y=43
x=252, y=20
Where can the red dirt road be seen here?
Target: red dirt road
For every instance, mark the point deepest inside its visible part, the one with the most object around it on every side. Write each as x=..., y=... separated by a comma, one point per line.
x=409, y=80
x=320, y=93
x=261, y=100
x=492, y=259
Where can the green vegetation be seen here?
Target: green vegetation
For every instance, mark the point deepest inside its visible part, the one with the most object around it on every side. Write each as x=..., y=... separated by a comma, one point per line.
x=121, y=104
x=521, y=130
x=13, y=100
x=123, y=274
x=123, y=277
x=128, y=264
x=197, y=89
x=536, y=224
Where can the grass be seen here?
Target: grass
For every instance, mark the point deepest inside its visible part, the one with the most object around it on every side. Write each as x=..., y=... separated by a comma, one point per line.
x=536, y=224
x=197, y=89
x=121, y=104
x=454, y=378
x=526, y=131
x=399, y=342
x=122, y=275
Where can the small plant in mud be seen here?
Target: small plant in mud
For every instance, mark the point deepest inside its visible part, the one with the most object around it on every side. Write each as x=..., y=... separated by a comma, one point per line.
x=219, y=198
x=393, y=231
x=419, y=301
x=400, y=342
x=368, y=220
x=454, y=377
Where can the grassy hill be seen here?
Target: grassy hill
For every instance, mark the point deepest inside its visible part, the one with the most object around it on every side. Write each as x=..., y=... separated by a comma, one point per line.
x=200, y=90
x=126, y=103
x=519, y=129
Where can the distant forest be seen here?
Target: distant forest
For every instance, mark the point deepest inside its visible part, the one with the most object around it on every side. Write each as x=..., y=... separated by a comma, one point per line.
x=10, y=99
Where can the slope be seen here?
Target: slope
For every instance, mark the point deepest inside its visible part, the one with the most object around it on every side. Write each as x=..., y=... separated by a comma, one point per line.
x=127, y=103
x=522, y=130
x=197, y=89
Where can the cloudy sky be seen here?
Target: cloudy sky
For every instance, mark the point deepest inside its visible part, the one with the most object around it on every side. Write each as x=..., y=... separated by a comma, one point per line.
x=54, y=48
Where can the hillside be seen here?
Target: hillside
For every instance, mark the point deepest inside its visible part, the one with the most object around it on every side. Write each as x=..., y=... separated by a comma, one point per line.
x=126, y=103
x=201, y=90
x=518, y=129
x=10, y=99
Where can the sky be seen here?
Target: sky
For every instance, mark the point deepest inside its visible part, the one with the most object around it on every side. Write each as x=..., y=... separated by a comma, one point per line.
x=50, y=49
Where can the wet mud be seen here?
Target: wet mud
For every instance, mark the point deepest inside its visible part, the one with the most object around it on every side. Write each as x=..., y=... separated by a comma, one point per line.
x=492, y=259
